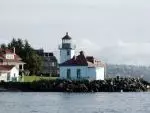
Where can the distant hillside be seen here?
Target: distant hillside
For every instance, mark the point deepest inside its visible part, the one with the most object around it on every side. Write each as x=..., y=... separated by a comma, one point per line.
x=128, y=70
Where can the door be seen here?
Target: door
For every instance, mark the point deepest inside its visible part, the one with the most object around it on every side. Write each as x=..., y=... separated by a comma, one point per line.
x=68, y=74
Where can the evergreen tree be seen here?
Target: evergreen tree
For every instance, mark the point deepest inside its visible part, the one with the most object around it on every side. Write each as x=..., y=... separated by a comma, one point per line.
x=26, y=52
x=3, y=46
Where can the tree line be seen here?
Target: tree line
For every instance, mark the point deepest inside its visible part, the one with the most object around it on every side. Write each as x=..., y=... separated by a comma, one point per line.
x=27, y=53
x=128, y=71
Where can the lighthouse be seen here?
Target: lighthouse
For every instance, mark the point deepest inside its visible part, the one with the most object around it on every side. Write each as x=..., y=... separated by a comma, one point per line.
x=67, y=49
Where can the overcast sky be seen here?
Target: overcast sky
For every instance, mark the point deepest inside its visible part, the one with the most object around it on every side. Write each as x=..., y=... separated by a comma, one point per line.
x=116, y=31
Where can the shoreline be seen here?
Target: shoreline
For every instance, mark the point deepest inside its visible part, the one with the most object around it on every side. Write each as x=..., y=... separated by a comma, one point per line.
x=108, y=85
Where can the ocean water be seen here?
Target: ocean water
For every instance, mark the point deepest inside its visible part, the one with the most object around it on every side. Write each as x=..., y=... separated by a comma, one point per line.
x=21, y=102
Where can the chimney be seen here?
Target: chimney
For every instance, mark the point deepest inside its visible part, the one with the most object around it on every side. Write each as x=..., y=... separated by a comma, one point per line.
x=81, y=53
x=14, y=50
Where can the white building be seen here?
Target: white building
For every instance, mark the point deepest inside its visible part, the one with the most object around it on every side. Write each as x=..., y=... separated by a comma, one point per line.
x=9, y=73
x=10, y=65
x=9, y=57
x=78, y=67
x=67, y=49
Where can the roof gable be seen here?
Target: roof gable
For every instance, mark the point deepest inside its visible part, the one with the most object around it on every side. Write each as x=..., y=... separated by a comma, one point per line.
x=3, y=53
x=6, y=67
x=81, y=60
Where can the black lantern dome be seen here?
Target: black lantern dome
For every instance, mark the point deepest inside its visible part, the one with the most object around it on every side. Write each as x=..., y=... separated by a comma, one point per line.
x=66, y=37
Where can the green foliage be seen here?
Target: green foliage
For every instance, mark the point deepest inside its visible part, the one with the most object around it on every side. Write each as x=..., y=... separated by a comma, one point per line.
x=3, y=46
x=36, y=78
x=128, y=70
x=26, y=52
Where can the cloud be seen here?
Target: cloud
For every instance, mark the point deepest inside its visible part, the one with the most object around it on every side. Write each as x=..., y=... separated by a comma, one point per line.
x=127, y=53
x=121, y=52
x=116, y=31
x=88, y=46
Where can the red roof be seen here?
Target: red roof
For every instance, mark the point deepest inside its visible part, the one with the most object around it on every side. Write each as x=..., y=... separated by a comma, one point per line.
x=6, y=50
x=3, y=52
x=6, y=67
x=81, y=60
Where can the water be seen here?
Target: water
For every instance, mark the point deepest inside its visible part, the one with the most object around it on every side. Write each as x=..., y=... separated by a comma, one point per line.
x=74, y=102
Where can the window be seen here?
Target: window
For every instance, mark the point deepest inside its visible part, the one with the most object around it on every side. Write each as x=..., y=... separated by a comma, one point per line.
x=1, y=60
x=78, y=73
x=14, y=79
x=20, y=67
x=68, y=74
x=9, y=56
x=68, y=52
x=53, y=64
x=8, y=76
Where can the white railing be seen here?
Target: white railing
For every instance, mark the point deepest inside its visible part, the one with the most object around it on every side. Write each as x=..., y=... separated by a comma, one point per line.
x=72, y=46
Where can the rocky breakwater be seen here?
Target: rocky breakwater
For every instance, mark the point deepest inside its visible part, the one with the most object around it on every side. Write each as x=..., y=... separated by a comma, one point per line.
x=108, y=85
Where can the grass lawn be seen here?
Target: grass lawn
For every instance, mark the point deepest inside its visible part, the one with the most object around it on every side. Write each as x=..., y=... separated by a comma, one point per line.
x=35, y=78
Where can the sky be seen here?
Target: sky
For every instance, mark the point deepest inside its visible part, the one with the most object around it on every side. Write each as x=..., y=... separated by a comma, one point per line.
x=114, y=31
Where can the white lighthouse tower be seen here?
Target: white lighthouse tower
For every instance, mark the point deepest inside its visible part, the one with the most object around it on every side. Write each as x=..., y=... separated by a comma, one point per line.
x=67, y=49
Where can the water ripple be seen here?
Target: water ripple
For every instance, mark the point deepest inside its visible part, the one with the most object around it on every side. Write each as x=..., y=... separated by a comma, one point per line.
x=74, y=102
